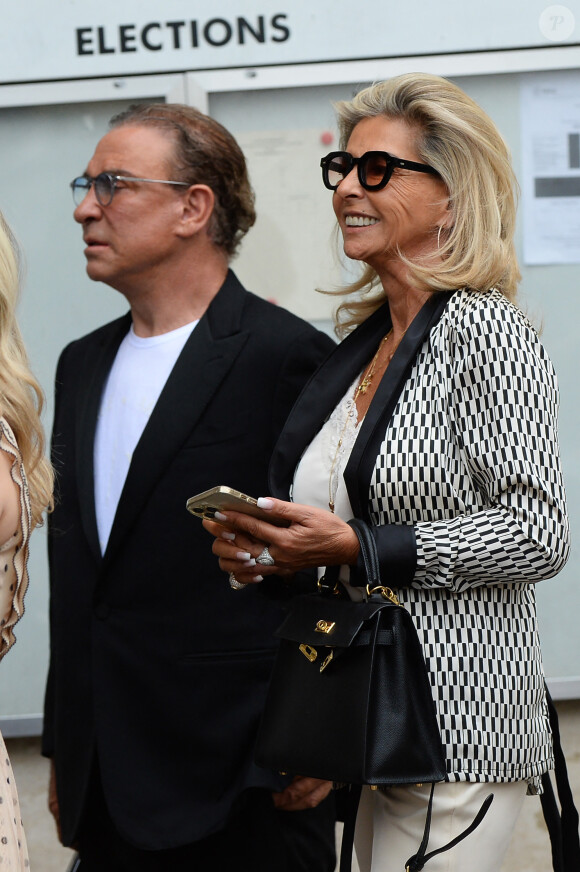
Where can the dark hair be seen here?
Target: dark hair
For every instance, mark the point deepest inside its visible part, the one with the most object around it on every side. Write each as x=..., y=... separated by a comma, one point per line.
x=205, y=153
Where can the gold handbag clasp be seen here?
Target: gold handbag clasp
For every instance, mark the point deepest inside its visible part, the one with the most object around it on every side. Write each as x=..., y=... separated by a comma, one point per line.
x=326, y=661
x=385, y=592
x=309, y=652
x=325, y=627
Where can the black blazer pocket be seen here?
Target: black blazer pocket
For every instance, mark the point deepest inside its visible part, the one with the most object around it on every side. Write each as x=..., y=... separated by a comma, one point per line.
x=211, y=432
x=225, y=657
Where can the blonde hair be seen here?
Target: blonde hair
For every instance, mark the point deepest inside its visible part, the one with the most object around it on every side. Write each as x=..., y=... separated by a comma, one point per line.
x=21, y=398
x=458, y=139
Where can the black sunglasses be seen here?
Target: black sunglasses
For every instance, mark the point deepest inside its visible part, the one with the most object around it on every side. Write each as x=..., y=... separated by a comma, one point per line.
x=375, y=168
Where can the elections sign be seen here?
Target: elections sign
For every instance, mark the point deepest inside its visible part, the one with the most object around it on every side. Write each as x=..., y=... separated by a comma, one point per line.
x=73, y=39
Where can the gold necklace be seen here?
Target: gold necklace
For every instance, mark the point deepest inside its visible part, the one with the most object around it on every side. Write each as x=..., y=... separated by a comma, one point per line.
x=368, y=376
x=361, y=389
x=331, y=496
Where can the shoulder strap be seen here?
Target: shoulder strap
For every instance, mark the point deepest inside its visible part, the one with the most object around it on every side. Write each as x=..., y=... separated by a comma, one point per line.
x=354, y=794
x=418, y=860
x=562, y=826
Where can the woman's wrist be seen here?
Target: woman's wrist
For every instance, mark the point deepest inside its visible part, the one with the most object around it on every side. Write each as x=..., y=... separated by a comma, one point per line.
x=352, y=548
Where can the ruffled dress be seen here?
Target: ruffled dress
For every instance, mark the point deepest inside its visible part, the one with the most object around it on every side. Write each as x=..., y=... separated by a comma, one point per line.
x=13, y=584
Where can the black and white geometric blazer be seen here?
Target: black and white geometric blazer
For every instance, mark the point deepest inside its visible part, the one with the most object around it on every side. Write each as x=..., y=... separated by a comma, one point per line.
x=456, y=467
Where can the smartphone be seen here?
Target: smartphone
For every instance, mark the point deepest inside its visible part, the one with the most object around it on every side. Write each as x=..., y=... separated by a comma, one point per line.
x=220, y=499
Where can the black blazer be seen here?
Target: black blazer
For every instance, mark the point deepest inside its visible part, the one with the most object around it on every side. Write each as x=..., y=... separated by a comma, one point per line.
x=156, y=664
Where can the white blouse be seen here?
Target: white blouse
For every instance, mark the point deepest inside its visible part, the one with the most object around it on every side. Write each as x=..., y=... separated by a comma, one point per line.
x=319, y=476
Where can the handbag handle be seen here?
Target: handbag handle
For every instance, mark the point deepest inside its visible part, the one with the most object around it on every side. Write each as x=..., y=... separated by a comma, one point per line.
x=368, y=551
x=370, y=558
x=329, y=582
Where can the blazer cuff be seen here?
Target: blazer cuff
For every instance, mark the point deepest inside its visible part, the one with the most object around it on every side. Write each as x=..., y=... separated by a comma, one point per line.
x=397, y=550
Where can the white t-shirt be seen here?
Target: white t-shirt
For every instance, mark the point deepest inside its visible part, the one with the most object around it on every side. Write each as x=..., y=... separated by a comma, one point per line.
x=137, y=377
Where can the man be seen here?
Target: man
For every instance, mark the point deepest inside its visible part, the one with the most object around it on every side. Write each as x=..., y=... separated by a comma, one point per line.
x=158, y=667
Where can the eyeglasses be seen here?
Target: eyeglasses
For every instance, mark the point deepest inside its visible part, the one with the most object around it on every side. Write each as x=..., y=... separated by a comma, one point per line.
x=375, y=168
x=105, y=186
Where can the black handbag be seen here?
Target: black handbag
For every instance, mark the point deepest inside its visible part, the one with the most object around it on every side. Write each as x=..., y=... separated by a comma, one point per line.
x=349, y=699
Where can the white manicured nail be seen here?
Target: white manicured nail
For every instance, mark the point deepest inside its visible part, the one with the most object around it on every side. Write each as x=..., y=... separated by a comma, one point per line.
x=219, y=517
x=250, y=562
x=243, y=555
x=258, y=578
x=265, y=503
x=230, y=536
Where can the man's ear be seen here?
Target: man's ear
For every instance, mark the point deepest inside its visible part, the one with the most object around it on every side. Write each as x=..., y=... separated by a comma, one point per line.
x=197, y=208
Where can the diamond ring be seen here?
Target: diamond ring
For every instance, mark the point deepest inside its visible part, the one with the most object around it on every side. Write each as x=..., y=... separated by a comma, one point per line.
x=265, y=558
x=235, y=584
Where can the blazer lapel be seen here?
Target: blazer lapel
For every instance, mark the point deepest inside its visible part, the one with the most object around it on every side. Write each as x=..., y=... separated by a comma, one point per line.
x=88, y=411
x=206, y=358
x=359, y=468
x=327, y=387
x=320, y=396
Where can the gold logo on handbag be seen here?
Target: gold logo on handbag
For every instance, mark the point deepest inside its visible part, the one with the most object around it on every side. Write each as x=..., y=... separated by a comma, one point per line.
x=309, y=652
x=325, y=626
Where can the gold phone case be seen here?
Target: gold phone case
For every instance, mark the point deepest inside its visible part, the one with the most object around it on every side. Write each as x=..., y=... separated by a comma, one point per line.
x=222, y=499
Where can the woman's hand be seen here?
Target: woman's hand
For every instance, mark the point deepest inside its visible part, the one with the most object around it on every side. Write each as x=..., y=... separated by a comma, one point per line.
x=310, y=537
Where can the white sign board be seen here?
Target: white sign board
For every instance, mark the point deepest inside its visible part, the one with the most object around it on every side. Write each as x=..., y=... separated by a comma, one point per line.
x=73, y=39
x=550, y=107
x=292, y=249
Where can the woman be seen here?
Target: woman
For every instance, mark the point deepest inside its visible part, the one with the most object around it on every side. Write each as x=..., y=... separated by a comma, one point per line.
x=25, y=493
x=435, y=422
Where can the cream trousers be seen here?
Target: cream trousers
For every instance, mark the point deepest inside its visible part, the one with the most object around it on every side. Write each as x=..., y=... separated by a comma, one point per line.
x=390, y=826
